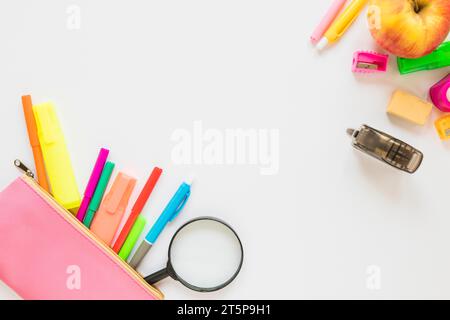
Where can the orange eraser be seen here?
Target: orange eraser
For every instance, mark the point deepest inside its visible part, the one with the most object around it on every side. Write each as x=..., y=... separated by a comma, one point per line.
x=409, y=107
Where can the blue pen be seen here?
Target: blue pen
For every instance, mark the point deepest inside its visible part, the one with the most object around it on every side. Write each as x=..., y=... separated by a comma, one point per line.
x=171, y=211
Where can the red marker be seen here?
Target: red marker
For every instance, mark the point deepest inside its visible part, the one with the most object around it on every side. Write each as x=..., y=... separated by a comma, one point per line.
x=137, y=208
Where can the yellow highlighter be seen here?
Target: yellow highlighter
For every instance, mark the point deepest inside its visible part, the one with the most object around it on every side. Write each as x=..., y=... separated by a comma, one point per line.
x=342, y=23
x=56, y=157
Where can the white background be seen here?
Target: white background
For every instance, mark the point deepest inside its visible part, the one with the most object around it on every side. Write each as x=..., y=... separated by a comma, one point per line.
x=136, y=71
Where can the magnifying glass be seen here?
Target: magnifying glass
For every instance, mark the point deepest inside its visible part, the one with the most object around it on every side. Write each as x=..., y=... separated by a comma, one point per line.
x=205, y=255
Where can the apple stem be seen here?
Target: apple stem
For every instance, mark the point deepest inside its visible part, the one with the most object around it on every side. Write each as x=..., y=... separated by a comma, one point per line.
x=415, y=5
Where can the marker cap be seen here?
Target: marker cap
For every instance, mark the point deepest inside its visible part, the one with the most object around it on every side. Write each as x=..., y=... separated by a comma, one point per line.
x=322, y=44
x=132, y=238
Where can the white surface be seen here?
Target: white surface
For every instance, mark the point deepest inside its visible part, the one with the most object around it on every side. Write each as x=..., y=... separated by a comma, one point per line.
x=137, y=71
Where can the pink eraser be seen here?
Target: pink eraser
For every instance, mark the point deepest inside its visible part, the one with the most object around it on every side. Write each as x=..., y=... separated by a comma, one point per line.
x=369, y=62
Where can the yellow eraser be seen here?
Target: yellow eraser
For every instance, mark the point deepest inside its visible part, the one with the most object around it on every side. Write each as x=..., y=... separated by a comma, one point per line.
x=409, y=107
x=56, y=156
x=443, y=127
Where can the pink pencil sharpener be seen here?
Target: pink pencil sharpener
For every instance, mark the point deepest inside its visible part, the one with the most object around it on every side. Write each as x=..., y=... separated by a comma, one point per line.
x=369, y=62
x=440, y=94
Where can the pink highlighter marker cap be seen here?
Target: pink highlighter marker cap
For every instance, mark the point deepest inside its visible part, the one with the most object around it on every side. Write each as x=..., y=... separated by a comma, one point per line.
x=93, y=181
x=440, y=94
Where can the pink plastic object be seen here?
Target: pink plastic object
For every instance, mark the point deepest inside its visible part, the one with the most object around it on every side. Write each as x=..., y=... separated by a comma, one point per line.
x=46, y=253
x=93, y=181
x=327, y=20
x=369, y=62
x=440, y=94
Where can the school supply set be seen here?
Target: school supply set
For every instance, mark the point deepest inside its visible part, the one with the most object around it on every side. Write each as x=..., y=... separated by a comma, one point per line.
x=56, y=245
x=403, y=104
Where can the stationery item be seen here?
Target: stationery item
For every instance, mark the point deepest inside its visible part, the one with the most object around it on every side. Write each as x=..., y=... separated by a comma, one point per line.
x=34, y=142
x=369, y=62
x=409, y=107
x=56, y=156
x=386, y=148
x=107, y=220
x=27, y=171
x=440, y=94
x=171, y=211
x=138, y=207
x=99, y=192
x=442, y=126
x=46, y=254
x=133, y=237
x=92, y=184
x=439, y=58
x=342, y=23
x=205, y=255
x=327, y=20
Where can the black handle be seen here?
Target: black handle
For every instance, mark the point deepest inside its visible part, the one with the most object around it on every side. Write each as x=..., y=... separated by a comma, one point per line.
x=157, y=276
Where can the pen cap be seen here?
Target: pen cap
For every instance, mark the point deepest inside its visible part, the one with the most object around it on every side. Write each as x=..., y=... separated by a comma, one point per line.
x=437, y=59
x=56, y=156
x=171, y=211
x=132, y=238
x=30, y=120
x=369, y=62
x=344, y=20
x=185, y=191
x=386, y=148
x=96, y=172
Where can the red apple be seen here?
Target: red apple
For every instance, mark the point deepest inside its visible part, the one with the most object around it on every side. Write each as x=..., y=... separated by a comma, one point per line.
x=409, y=28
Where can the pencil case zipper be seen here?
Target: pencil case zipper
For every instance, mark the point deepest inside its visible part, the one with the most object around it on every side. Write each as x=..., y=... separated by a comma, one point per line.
x=70, y=218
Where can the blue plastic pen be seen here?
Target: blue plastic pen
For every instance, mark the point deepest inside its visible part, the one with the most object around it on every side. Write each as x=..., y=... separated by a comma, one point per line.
x=171, y=211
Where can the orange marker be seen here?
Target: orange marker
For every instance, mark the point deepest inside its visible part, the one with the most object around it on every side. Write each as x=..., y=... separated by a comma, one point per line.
x=111, y=211
x=34, y=142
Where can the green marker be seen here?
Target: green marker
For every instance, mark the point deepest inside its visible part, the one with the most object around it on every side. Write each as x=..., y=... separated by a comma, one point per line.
x=133, y=237
x=439, y=58
x=98, y=194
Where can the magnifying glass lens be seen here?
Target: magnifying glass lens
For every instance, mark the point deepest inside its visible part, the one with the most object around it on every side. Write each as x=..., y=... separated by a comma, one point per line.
x=205, y=254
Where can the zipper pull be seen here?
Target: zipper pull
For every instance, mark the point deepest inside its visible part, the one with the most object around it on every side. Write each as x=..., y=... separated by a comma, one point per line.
x=19, y=164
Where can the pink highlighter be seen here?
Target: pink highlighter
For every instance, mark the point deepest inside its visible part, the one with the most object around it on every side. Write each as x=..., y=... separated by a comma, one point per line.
x=369, y=62
x=92, y=184
x=327, y=20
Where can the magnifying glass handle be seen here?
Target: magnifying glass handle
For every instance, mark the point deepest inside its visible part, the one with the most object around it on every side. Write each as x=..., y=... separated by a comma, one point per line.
x=157, y=276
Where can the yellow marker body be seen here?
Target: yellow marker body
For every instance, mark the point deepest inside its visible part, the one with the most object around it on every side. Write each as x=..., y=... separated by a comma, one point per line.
x=56, y=157
x=344, y=21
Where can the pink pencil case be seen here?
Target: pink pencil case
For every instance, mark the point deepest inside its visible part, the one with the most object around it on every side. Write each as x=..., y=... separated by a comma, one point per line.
x=46, y=253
